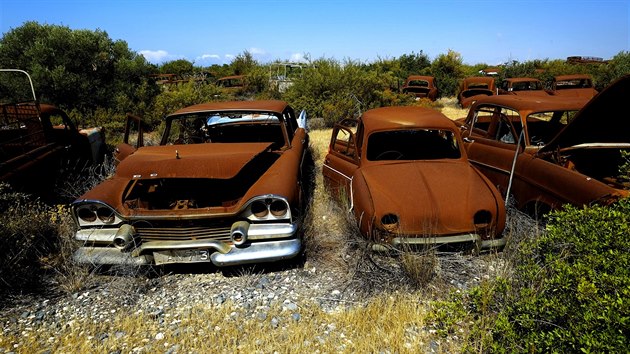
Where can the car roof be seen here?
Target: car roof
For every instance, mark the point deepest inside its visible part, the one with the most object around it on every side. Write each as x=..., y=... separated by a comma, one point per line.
x=388, y=118
x=274, y=106
x=420, y=77
x=529, y=104
x=520, y=79
x=572, y=77
x=479, y=79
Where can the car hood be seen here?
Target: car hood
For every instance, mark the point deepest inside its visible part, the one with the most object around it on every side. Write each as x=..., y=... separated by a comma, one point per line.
x=601, y=120
x=212, y=160
x=430, y=197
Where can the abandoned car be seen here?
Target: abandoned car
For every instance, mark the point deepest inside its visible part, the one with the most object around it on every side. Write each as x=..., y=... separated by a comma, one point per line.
x=522, y=86
x=224, y=186
x=39, y=139
x=580, y=85
x=472, y=88
x=546, y=152
x=421, y=87
x=406, y=177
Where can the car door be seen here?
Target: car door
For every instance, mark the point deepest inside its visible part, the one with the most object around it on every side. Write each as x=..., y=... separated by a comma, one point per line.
x=490, y=139
x=341, y=161
x=131, y=142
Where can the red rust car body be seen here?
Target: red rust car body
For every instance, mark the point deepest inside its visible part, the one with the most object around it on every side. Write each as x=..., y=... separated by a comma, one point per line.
x=473, y=88
x=37, y=140
x=522, y=86
x=224, y=186
x=579, y=85
x=406, y=177
x=421, y=87
x=570, y=149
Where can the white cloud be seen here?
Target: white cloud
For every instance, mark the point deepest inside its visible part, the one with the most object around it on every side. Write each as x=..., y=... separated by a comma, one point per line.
x=155, y=56
x=298, y=58
x=230, y=57
x=208, y=59
x=257, y=51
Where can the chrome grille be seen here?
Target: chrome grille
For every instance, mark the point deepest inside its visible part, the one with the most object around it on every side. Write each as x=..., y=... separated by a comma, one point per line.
x=183, y=233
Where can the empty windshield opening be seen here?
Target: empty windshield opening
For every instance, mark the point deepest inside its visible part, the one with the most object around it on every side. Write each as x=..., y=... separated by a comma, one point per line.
x=419, y=144
x=226, y=127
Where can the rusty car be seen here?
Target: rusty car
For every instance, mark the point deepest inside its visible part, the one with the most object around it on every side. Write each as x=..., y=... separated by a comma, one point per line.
x=224, y=186
x=405, y=176
x=546, y=152
x=522, y=86
x=472, y=88
x=421, y=87
x=580, y=85
x=38, y=139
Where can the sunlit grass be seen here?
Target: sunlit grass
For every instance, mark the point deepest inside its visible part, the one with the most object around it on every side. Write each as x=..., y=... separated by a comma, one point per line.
x=394, y=324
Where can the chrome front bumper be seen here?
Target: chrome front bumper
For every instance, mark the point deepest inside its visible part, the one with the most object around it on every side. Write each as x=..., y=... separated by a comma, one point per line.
x=472, y=238
x=268, y=243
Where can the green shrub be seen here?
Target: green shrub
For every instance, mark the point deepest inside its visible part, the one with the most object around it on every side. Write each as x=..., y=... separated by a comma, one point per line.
x=331, y=90
x=570, y=290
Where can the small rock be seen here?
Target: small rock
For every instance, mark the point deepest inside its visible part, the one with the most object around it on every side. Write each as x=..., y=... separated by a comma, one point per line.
x=274, y=322
x=296, y=317
x=159, y=336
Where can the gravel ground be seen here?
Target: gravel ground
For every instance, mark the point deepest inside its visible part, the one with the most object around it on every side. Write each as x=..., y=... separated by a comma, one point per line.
x=252, y=291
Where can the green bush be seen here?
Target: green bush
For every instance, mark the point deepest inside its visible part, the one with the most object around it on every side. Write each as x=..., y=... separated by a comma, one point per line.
x=570, y=291
x=331, y=90
x=448, y=70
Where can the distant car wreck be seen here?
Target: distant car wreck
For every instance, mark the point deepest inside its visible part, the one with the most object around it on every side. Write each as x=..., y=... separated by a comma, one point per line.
x=224, y=186
x=407, y=180
x=579, y=85
x=421, y=87
x=38, y=140
x=522, y=86
x=562, y=150
x=473, y=88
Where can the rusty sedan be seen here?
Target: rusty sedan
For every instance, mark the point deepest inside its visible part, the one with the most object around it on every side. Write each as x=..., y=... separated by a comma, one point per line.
x=224, y=186
x=580, y=85
x=473, y=88
x=405, y=176
x=546, y=152
x=421, y=87
x=522, y=86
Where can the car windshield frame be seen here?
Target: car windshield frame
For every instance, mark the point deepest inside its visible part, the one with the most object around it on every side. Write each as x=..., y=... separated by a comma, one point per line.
x=193, y=128
x=413, y=144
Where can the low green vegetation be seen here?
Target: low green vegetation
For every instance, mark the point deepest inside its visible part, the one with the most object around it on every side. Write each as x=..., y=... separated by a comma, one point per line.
x=569, y=291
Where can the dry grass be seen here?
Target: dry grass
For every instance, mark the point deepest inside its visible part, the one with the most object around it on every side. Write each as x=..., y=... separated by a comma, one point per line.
x=452, y=109
x=386, y=324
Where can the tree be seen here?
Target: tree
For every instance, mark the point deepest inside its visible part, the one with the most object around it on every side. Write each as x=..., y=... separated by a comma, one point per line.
x=448, y=70
x=414, y=64
x=80, y=69
x=180, y=67
x=243, y=63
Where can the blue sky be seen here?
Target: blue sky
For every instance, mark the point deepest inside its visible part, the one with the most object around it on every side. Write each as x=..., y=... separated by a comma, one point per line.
x=213, y=32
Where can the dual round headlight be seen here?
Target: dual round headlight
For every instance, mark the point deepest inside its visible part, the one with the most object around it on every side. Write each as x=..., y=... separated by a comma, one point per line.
x=263, y=207
x=93, y=213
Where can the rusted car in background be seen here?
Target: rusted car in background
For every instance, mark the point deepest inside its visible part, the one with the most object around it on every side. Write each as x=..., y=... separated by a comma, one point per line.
x=38, y=141
x=546, y=152
x=473, y=88
x=522, y=86
x=406, y=177
x=421, y=87
x=231, y=83
x=580, y=85
x=224, y=186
